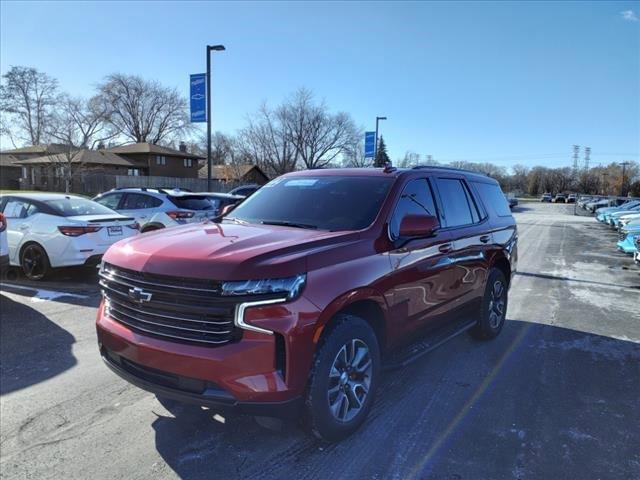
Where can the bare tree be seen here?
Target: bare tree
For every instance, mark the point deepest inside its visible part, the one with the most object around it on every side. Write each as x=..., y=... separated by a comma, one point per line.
x=410, y=159
x=354, y=154
x=144, y=111
x=28, y=98
x=319, y=136
x=268, y=142
x=79, y=125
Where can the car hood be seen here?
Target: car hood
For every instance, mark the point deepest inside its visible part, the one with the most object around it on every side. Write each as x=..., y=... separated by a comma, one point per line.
x=224, y=251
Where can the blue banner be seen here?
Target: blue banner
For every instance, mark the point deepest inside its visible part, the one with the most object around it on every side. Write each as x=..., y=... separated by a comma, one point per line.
x=369, y=144
x=198, y=96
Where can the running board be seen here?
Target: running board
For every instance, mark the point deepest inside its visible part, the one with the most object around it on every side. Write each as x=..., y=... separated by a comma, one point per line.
x=403, y=356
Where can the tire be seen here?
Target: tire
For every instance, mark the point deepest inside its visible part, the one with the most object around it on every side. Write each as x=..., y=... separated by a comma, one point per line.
x=150, y=229
x=34, y=262
x=345, y=374
x=494, y=307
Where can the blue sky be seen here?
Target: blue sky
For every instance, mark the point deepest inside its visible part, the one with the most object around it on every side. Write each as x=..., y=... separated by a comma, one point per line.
x=485, y=81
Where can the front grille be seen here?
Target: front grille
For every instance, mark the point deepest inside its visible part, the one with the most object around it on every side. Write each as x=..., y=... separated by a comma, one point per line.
x=622, y=236
x=181, y=309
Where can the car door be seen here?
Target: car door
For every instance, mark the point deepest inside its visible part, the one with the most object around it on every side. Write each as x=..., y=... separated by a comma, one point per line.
x=468, y=224
x=17, y=212
x=139, y=206
x=418, y=289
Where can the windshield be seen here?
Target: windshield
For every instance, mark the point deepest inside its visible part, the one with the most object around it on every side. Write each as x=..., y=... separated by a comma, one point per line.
x=192, y=202
x=325, y=203
x=72, y=206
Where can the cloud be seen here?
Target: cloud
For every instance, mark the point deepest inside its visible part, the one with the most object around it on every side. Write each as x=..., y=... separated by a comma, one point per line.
x=629, y=16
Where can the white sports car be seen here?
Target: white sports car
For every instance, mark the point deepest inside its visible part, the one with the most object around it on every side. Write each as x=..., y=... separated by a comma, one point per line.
x=50, y=230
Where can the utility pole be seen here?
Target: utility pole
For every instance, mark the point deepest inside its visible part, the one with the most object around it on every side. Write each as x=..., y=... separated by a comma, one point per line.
x=604, y=182
x=587, y=154
x=210, y=48
x=375, y=145
x=624, y=180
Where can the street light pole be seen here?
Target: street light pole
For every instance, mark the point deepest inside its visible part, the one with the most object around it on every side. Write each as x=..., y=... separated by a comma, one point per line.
x=375, y=143
x=216, y=48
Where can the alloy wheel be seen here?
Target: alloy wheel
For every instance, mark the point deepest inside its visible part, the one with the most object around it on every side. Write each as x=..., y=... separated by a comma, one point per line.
x=497, y=304
x=350, y=380
x=33, y=262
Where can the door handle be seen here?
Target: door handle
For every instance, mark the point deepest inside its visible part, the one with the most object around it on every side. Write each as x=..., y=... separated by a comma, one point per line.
x=445, y=248
x=485, y=238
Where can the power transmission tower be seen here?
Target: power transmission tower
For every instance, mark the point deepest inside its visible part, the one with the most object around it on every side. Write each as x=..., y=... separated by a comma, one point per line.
x=576, y=154
x=429, y=159
x=587, y=154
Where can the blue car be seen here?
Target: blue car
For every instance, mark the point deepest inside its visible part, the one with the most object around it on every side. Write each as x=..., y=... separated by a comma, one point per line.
x=613, y=217
x=628, y=245
x=602, y=213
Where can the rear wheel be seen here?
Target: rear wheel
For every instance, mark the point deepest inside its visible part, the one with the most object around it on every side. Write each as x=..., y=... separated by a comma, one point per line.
x=494, y=307
x=34, y=262
x=343, y=380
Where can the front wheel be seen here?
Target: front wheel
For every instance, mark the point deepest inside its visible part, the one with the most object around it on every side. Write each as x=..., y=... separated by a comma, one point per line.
x=494, y=307
x=34, y=262
x=343, y=380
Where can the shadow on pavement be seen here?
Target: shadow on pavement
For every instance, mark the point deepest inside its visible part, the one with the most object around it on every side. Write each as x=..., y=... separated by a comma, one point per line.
x=32, y=347
x=537, y=402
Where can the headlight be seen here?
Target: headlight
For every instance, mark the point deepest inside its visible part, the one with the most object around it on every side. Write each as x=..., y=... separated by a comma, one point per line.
x=291, y=286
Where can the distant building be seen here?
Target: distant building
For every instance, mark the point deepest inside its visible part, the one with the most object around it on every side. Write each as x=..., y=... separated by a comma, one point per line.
x=11, y=172
x=154, y=160
x=235, y=174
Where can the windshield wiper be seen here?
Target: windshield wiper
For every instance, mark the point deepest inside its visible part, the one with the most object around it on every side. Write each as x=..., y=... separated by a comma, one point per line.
x=284, y=223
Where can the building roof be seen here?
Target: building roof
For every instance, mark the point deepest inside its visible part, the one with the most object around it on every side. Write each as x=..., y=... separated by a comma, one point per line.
x=7, y=160
x=229, y=172
x=96, y=157
x=150, y=148
x=42, y=149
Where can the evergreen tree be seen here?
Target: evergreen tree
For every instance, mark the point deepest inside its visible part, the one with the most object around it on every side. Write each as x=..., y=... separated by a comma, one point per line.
x=381, y=154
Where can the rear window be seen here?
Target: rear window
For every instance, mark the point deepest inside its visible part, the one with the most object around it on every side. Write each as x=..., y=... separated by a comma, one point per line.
x=192, y=202
x=493, y=197
x=72, y=206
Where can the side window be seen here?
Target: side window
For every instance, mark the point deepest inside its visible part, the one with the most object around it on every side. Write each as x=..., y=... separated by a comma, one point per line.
x=17, y=209
x=493, y=197
x=139, y=201
x=456, y=203
x=111, y=200
x=416, y=199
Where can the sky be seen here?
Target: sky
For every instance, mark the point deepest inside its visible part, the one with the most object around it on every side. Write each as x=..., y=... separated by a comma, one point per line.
x=505, y=82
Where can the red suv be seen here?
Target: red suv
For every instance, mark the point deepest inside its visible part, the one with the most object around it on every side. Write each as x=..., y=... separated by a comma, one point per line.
x=294, y=302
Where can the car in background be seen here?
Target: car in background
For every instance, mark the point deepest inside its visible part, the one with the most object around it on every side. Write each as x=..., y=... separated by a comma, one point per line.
x=221, y=201
x=546, y=197
x=603, y=213
x=51, y=230
x=559, y=198
x=628, y=244
x=584, y=199
x=594, y=205
x=627, y=219
x=571, y=198
x=612, y=218
x=636, y=254
x=4, y=246
x=156, y=208
x=245, y=190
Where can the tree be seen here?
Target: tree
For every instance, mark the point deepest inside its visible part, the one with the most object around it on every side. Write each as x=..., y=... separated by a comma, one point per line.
x=269, y=142
x=319, y=136
x=28, y=98
x=144, y=111
x=79, y=125
x=353, y=155
x=381, y=154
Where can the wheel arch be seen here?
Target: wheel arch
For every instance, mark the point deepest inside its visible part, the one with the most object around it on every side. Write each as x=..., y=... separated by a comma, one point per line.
x=151, y=226
x=503, y=264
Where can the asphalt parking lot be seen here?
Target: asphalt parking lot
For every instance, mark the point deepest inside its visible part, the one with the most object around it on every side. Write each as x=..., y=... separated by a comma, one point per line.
x=556, y=395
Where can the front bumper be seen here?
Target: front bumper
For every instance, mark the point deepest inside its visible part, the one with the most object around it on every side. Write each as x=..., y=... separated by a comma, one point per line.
x=257, y=369
x=194, y=391
x=4, y=264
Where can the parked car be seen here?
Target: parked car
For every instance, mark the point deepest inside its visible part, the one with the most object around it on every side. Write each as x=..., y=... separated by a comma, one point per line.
x=221, y=200
x=51, y=230
x=594, y=205
x=603, y=214
x=513, y=202
x=628, y=245
x=612, y=218
x=4, y=246
x=627, y=219
x=156, y=208
x=571, y=198
x=636, y=254
x=559, y=198
x=245, y=190
x=546, y=197
x=285, y=306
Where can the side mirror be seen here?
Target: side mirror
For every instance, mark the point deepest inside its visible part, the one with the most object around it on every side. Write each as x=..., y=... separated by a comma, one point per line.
x=418, y=226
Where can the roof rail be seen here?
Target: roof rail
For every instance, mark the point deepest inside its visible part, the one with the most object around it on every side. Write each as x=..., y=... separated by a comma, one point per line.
x=442, y=167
